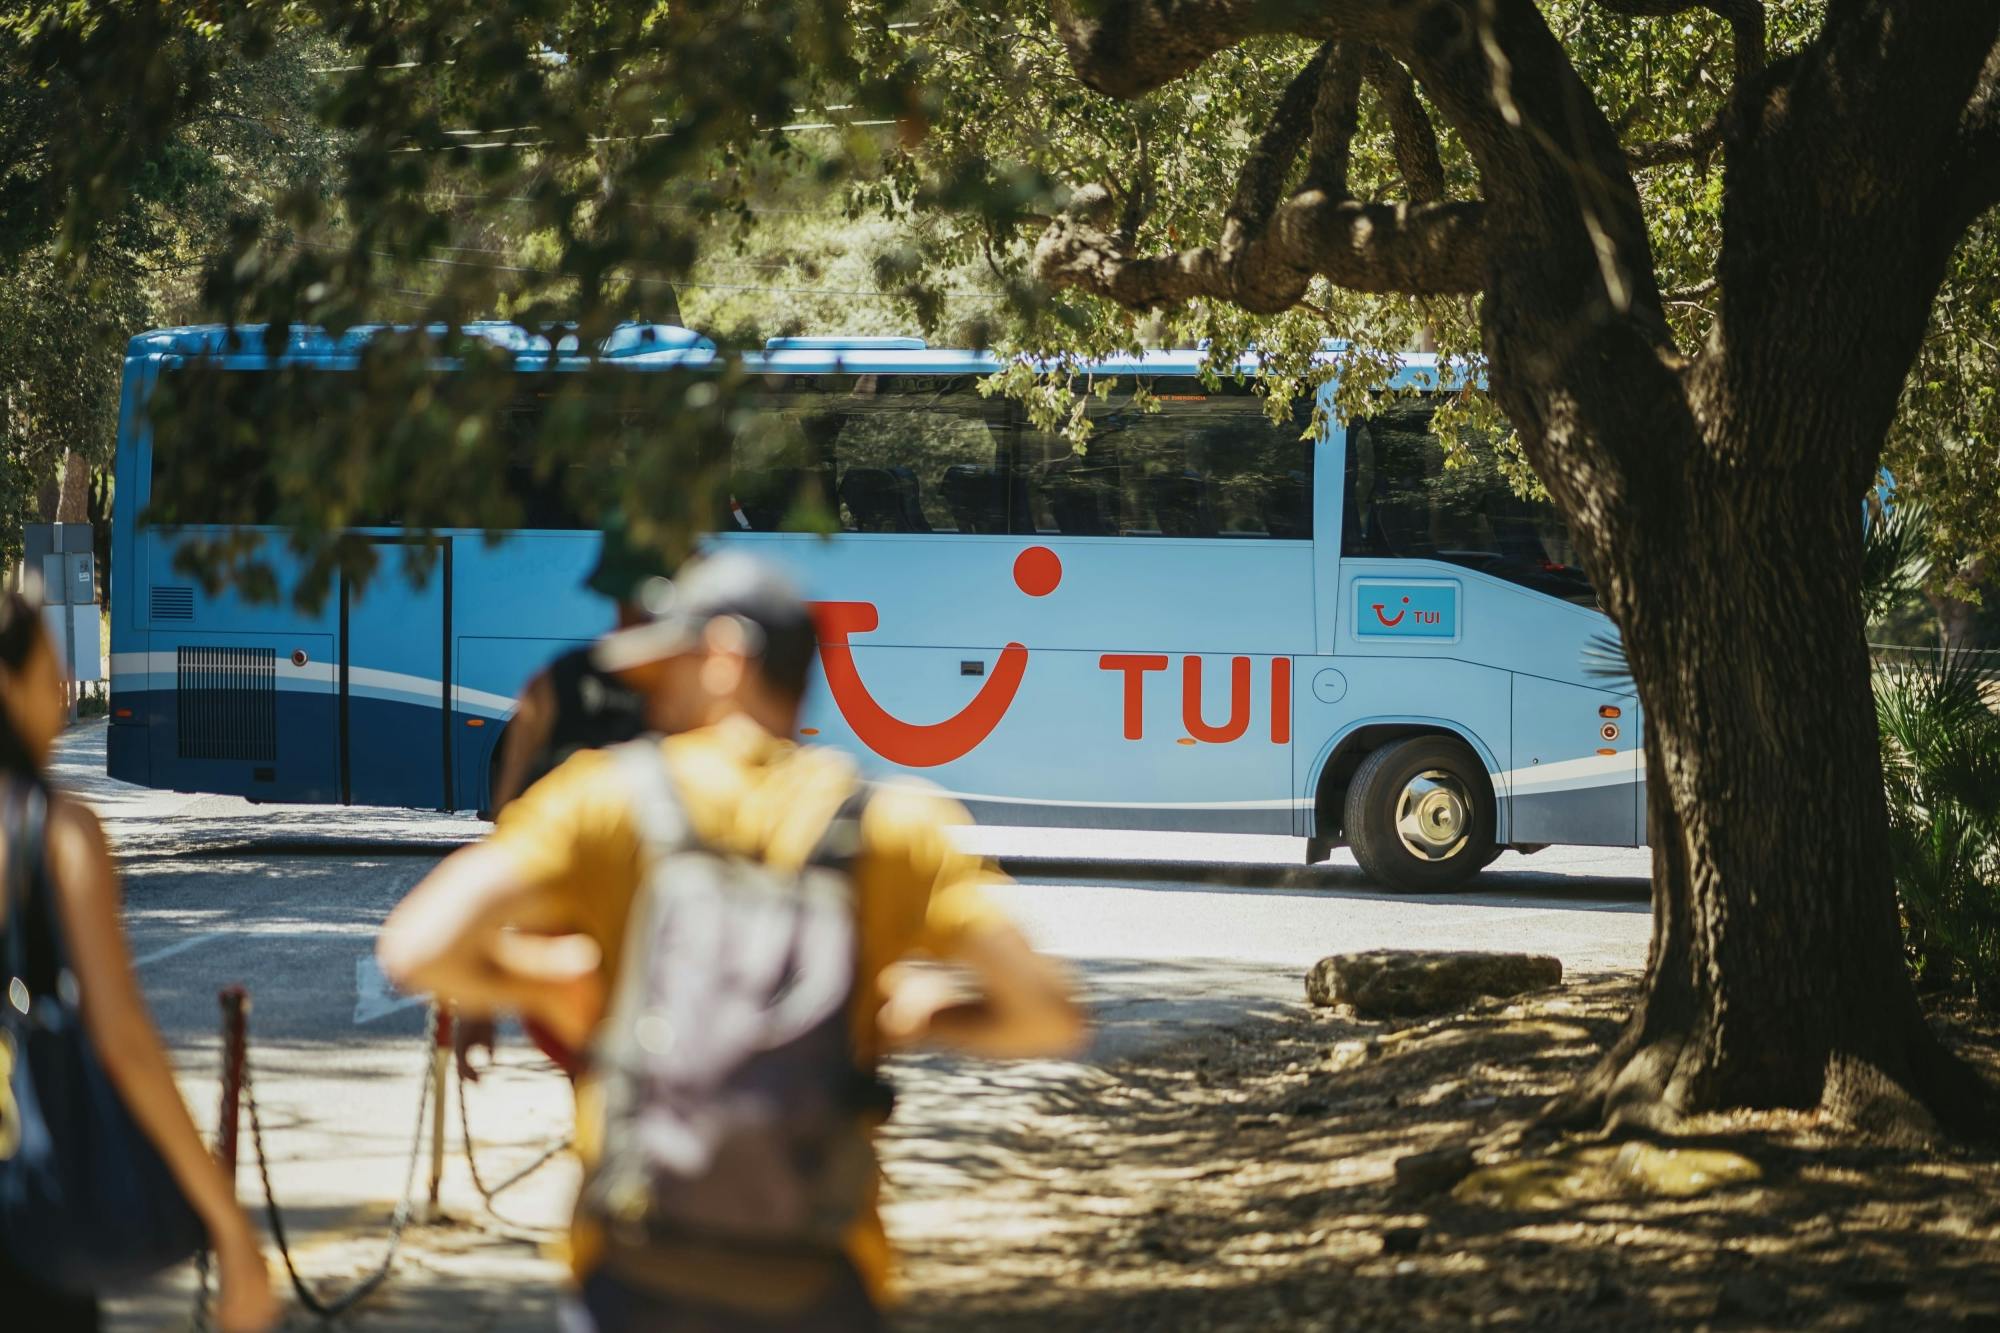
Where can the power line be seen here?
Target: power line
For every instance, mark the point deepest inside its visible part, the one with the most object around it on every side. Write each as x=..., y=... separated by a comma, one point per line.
x=779, y=265
x=545, y=54
x=669, y=283
x=684, y=208
x=625, y=138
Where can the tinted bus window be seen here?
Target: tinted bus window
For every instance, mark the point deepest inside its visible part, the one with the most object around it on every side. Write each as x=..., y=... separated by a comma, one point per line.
x=872, y=453
x=1202, y=465
x=1402, y=501
x=214, y=464
x=210, y=462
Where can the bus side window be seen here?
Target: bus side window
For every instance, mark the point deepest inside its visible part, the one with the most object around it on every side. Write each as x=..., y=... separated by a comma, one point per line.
x=1186, y=465
x=872, y=453
x=921, y=454
x=1405, y=501
x=211, y=456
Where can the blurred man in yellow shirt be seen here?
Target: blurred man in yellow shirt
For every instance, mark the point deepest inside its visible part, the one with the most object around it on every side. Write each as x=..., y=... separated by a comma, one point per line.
x=534, y=920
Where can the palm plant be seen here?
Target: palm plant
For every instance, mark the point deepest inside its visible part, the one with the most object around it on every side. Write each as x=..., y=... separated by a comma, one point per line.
x=1941, y=769
x=1941, y=776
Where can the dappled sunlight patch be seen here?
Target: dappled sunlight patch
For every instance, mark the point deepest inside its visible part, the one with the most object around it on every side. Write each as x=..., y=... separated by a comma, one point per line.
x=1604, y=1171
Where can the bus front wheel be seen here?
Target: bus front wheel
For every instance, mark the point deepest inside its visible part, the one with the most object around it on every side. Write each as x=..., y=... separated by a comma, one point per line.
x=1420, y=814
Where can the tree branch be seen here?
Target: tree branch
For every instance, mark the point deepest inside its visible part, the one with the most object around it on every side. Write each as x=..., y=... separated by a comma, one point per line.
x=1746, y=26
x=1430, y=249
x=1694, y=295
x=1142, y=193
x=1695, y=145
x=1336, y=118
x=1261, y=181
x=1745, y=19
x=1415, y=139
x=1977, y=169
x=1126, y=48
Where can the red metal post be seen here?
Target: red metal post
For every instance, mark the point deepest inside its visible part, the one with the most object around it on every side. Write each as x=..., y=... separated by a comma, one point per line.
x=235, y=1009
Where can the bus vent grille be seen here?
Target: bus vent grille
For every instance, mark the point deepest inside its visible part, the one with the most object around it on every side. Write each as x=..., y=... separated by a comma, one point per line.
x=228, y=703
x=171, y=602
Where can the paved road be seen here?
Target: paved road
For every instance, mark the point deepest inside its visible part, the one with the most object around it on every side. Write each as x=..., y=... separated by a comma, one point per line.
x=1167, y=931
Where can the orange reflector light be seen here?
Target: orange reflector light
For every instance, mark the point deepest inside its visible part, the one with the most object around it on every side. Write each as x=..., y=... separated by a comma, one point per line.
x=1607, y=752
x=475, y=722
x=122, y=712
x=808, y=731
x=1185, y=740
x=1609, y=710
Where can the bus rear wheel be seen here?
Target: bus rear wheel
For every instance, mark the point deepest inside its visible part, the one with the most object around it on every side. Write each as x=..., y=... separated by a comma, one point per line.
x=1420, y=814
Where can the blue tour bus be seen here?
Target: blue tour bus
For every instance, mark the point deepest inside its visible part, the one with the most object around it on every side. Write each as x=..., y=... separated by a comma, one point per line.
x=1204, y=621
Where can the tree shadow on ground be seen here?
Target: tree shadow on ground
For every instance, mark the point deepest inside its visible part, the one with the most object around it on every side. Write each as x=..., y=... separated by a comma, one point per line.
x=1245, y=1179
x=1611, y=893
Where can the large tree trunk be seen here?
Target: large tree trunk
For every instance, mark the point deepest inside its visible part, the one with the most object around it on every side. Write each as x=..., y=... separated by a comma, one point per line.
x=1775, y=977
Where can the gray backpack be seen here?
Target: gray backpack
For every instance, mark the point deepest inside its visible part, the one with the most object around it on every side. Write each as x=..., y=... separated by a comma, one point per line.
x=733, y=1103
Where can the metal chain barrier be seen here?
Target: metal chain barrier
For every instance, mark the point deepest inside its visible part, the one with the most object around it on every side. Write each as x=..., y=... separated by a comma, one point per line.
x=238, y=1092
x=236, y=1056
x=397, y=1221
x=489, y=1193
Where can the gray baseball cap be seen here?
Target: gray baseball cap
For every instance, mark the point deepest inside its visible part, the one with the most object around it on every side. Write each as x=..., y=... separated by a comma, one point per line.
x=726, y=583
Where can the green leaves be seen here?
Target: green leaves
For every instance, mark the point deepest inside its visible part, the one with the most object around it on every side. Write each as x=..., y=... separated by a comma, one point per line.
x=761, y=166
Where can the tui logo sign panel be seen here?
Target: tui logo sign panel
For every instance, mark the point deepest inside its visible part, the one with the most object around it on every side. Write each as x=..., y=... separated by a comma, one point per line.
x=1405, y=609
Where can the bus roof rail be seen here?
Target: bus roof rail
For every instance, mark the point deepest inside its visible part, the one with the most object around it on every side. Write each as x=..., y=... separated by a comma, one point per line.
x=838, y=343
x=631, y=339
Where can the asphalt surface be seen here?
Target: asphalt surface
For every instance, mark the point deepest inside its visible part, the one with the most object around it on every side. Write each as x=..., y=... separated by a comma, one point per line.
x=1167, y=932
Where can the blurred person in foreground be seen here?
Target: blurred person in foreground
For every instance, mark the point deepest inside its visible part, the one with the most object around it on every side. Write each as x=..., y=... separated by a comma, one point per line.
x=569, y=706
x=698, y=1211
x=76, y=872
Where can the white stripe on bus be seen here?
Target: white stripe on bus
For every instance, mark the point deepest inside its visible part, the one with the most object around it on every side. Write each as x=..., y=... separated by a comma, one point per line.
x=160, y=672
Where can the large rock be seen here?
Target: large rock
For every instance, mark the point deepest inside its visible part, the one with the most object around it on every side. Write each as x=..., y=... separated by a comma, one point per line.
x=1398, y=983
x=1421, y=1174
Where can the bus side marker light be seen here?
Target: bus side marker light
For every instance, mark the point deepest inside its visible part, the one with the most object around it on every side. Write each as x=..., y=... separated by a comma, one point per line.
x=1607, y=752
x=475, y=722
x=1185, y=740
x=1609, y=710
x=808, y=731
x=122, y=712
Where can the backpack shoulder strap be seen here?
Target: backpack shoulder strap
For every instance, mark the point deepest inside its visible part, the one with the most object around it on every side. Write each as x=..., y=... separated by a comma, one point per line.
x=657, y=812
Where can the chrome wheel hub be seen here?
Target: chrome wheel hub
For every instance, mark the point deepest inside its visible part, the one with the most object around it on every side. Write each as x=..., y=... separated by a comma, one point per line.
x=1434, y=816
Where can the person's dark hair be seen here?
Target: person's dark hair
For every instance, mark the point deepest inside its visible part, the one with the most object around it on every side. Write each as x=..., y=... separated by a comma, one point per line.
x=20, y=630
x=785, y=658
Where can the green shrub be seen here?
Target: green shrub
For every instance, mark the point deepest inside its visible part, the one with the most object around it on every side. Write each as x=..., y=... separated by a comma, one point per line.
x=1941, y=765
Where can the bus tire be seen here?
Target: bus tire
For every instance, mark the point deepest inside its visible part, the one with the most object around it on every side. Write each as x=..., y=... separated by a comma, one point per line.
x=1420, y=814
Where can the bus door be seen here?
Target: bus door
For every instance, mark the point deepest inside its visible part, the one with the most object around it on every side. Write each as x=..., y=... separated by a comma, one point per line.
x=393, y=675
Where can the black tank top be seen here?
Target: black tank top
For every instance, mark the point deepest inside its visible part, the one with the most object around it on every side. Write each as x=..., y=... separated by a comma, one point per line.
x=593, y=709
